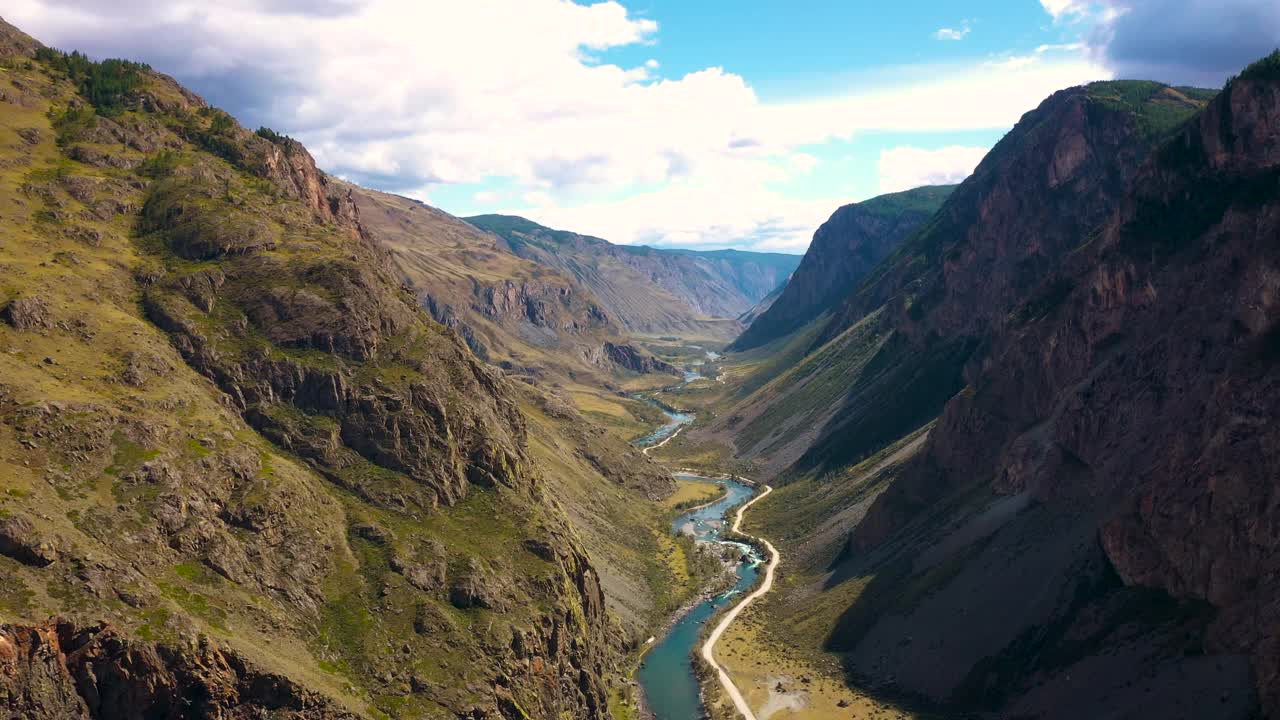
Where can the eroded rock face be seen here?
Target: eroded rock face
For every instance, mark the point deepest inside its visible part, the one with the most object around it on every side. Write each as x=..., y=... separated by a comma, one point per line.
x=629, y=357
x=62, y=671
x=1137, y=386
x=539, y=304
x=1034, y=199
x=844, y=249
x=26, y=313
x=20, y=540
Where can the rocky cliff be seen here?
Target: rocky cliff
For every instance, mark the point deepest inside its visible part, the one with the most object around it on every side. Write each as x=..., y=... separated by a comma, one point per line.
x=528, y=318
x=844, y=250
x=648, y=290
x=1129, y=399
x=241, y=461
x=886, y=359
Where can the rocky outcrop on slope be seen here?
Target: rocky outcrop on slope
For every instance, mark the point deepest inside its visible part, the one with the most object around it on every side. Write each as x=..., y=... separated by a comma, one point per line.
x=844, y=250
x=61, y=671
x=538, y=304
x=631, y=358
x=510, y=311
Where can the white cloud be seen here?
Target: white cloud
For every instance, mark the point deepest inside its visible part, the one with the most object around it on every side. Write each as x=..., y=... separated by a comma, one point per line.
x=903, y=168
x=407, y=95
x=947, y=33
x=1066, y=9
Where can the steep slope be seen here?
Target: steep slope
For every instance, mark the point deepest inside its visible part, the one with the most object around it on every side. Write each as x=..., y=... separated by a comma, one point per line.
x=248, y=471
x=884, y=362
x=651, y=291
x=844, y=249
x=748, y=317
x=526, y=317
x=1127, y=405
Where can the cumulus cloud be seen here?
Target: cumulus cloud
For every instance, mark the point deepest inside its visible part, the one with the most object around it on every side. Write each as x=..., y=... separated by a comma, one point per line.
x=903, y=168
x=409, y=95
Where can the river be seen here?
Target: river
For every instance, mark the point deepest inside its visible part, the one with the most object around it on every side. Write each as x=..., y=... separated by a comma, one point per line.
x=670, y=688
x=666, y=675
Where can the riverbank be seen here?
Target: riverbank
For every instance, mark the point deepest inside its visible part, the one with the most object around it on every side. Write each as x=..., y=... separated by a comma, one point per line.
x=708, y=647
x=667, y=676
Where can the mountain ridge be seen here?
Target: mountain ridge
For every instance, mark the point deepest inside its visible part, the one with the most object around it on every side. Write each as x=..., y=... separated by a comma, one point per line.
x=698, y=291
x=846, y=247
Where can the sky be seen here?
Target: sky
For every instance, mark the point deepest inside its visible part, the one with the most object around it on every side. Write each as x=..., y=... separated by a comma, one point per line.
x=675, y=123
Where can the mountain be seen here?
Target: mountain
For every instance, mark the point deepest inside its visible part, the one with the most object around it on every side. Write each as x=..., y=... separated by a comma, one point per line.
x=530, y=319
x=844, y=249
x=696, y=292
x=759, y=308
x=1126, y=403
x=1046, y=486
x=247, y=474
x=885, y=360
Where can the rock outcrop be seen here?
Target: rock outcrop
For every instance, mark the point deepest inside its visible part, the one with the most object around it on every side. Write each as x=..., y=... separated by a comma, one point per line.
x=61, y=671
x=26, y=313
x=631, y=358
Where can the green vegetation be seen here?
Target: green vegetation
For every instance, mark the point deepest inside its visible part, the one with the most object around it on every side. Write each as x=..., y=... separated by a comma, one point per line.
x=1266, y=69
x=286, y=143
x=160, y=165
x=925, y=200
x=72, y=122
x=106, y=85
x=1158, y=108
x=693, y=493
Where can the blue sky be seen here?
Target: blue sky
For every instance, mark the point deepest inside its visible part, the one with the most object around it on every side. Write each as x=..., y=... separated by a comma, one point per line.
x=677, y=123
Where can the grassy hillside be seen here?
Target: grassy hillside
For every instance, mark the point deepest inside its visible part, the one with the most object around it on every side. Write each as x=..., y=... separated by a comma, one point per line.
x=231, y=436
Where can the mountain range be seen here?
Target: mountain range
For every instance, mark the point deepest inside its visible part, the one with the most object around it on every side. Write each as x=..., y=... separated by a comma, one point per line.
x=651, y=291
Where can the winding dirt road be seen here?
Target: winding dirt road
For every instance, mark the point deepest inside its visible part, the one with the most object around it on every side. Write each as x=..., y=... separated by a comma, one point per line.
x=708, y=648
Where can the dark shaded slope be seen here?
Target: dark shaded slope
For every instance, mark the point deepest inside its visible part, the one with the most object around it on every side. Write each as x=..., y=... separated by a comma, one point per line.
x=1129, y=404
x=1049, y=183
x=847, y=246
x=884, y=362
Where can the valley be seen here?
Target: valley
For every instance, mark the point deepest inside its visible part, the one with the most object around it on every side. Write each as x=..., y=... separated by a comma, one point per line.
x=274, y=444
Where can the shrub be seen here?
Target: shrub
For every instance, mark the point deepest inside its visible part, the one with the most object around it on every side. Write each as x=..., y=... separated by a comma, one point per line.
x=71, y=122
x=162, y=164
